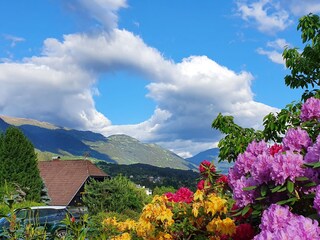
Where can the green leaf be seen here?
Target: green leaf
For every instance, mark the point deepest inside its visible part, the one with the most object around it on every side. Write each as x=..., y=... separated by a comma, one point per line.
x=301, y=179
x=290, y=186
x=287, y=201
x=276, y=189
x=263, y=190
x=249, y=188
x=245, y=210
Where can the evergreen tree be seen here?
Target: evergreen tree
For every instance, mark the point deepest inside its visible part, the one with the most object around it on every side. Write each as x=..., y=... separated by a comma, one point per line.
x=18, y=163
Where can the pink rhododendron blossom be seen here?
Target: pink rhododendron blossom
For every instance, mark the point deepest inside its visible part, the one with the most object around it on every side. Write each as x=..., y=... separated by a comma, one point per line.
x=313, y=152
x=310, y=109
x=243, y=197
x=261, y=169
x=296, y=139
x=316, y=202
x=257, y=148
x=279, y=223
x=287, y=165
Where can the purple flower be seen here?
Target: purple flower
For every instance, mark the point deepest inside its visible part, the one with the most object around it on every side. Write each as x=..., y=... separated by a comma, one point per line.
x=257, y=148
x=313, y=152
x=275, y=218
x=310, y=109
x=286, y=165
x=244, y=197
x=261, y=169
x=296, y=140
x=279, y=223
x=316, y=202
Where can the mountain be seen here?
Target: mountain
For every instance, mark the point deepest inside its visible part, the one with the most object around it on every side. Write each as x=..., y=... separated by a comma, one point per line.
x=210, y=155
x=50, y=140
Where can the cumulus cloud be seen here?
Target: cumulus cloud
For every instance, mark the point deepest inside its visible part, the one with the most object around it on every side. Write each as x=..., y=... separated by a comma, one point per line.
x=267, y=15
x=59, y=86
x=275, y=49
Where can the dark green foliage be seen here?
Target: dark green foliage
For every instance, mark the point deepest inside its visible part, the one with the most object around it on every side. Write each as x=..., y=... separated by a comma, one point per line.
x=142, y=173
x=305, y=65
x=236, y=138
x=117, y=194
x=18, y=163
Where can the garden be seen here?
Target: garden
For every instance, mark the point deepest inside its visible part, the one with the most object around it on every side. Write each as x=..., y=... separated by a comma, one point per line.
x=271, y=192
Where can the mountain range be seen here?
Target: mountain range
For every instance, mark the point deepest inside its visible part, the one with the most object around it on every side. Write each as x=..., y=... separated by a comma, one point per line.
x=50, y=141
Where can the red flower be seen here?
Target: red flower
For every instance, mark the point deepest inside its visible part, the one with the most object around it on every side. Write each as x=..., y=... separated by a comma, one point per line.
x=223, y=179
x=244, y=232
x=73, y=219
x=203, y=184
x=275, y=149
x=182, y=195
x=169, y=195
x=206, y=165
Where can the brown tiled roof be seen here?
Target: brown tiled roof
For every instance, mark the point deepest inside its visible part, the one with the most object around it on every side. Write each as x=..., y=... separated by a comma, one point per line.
x=65, y=178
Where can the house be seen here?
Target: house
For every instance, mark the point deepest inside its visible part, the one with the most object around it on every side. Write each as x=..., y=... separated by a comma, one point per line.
x=65, y=179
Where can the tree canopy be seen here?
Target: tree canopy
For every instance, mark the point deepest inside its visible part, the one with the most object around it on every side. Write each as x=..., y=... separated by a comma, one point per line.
x=18, y=163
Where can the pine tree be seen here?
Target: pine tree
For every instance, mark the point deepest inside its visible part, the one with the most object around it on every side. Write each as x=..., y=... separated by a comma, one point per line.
x=18, y=163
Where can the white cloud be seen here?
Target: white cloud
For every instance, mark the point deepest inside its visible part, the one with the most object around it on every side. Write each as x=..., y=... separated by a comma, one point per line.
x=13, y=39
x=300, y=8
x=59, y=86
x=267, y=15
x=275, y=54
x=103, y=12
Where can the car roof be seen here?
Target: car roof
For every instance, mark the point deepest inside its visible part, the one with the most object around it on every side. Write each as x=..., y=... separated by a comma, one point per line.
x=49, y=207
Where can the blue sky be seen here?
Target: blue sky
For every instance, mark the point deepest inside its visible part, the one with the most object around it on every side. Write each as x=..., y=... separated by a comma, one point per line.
x=159, y=71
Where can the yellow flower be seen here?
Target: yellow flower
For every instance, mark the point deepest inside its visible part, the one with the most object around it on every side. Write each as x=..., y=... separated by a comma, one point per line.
x=123, y=236
x=166, y=217
x=164, y=236
x=195, y=208
x=144, y=228
x=110, y=222
x=213, y=225
x=126, y=225
x=227, y=227
x=215, y=204
x=198, y=195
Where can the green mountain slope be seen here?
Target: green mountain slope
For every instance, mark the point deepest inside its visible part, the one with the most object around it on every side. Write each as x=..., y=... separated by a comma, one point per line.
x=51, y=140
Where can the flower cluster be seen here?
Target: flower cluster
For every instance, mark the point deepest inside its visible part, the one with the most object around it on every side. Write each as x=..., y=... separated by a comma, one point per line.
x=310, y=109
x=204, y=216
x=182, y=195
x=279, y=223
x=275, y=165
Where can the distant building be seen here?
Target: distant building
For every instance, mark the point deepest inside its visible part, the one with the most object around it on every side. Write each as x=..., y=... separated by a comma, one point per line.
x=65, y=179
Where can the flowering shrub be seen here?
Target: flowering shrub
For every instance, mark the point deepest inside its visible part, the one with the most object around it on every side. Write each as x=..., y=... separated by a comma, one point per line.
x=205, y=216
x=183, y=214
x=283, y=174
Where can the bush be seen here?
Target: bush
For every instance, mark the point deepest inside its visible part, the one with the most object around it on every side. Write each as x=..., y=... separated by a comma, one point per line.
x=116, y=195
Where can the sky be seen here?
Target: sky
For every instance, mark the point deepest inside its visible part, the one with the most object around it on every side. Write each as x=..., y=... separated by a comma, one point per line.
x=159, y=71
